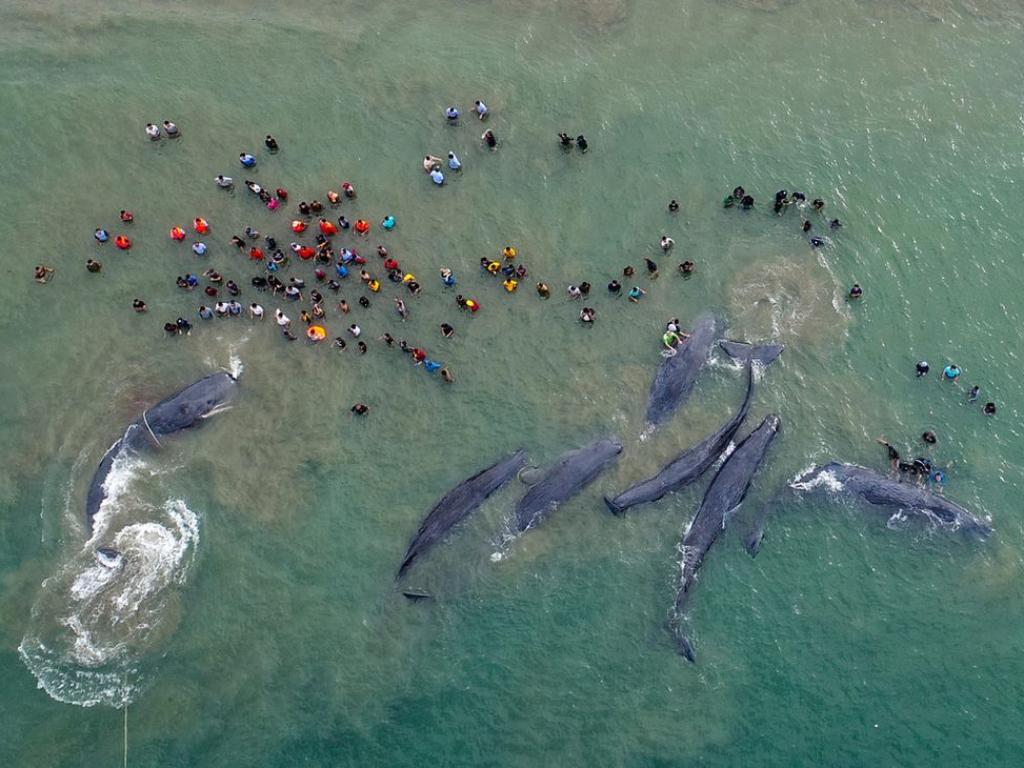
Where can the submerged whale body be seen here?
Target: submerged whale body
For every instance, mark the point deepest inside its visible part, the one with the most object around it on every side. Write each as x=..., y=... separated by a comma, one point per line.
x=880, y=491
x=182, y=410
x=726, y=492
x=458, y=504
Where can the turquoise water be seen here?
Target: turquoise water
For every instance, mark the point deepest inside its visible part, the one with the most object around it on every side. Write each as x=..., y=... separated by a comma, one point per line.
x=261, y=625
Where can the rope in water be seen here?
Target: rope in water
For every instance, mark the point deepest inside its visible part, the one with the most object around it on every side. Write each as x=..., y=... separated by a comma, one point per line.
x=126, y=723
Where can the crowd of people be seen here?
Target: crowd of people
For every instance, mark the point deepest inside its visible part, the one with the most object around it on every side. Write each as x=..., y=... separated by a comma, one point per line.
x=335, y=263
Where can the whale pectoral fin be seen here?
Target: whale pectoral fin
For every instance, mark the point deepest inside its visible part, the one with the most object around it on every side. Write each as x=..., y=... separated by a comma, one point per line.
x=753, y=542
x=216, y=410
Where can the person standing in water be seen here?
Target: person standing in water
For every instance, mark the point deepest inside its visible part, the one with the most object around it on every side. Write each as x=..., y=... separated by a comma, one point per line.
x=973, y=394
x=894, y=455
x=403, y=311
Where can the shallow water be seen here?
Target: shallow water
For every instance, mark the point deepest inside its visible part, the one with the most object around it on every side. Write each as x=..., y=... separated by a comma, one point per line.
x=276, y=636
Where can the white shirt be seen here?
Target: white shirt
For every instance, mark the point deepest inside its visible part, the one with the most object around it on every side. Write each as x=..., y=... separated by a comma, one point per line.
x=437, y=176
x=355, y=330
x=282, y=318
x=257, y=310
x=481, y=108
x=224, y=181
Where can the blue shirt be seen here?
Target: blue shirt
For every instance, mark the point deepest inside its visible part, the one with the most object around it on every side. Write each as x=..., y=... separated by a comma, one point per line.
x=437, y=176
x=453, y=162
x=950, y=371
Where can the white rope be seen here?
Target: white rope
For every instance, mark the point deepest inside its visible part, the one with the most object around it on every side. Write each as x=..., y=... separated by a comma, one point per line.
x=126, y=731
x=146, y=422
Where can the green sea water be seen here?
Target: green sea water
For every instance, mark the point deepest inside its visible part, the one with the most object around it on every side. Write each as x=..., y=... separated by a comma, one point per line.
x=257, y=621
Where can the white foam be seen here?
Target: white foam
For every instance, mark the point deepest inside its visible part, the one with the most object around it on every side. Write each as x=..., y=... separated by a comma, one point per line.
x=826, y=480
x=93, y=623
x=124, y=470
x=235, y=364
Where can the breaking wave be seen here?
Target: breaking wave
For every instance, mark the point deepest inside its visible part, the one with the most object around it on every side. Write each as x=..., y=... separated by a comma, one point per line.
x=115, y=599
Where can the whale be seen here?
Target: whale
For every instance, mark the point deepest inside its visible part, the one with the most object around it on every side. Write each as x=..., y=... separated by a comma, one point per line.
x=888, y=494
x=725, y=493
x=456, y=505
x=673, y=382
x=184, y=409
x=687, y=466
x=675, y=378
x=563, y=480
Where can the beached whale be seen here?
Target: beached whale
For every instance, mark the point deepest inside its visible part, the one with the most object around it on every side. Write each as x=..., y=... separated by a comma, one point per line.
x=677, y=374
x=688, y=465
x=675, y=377
x=723, y=496
x=885, y=492
x=206, y=397
x=566, y=477
x=458, y=504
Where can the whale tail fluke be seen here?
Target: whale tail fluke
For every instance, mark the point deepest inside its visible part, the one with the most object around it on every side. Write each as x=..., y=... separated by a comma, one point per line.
x=753, y=542
x=613, y=507
x=416, y=596
x=742, y=352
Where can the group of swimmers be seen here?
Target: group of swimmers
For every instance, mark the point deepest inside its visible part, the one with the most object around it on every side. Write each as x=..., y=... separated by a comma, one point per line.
x=170, y=129
x=921, y=468
x=566, y=142
x=951, y=373
x=433, y=165
x=783, y=202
